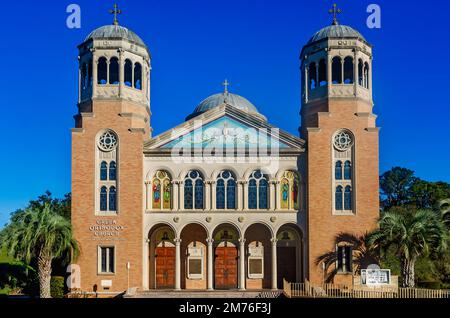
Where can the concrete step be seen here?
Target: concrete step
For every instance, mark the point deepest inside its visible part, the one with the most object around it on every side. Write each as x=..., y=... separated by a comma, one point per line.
x=201, y=294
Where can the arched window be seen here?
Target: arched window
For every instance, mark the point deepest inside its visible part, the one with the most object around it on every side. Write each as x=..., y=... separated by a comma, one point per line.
x=257, y=191
x=323, y=81
x=128, y=73
x=349, y=73
x=226, y=191
x=112, y=171
x=102, y=72
x=338, y=198
x=338, y=170
x=103, y=199
x=112, y=199
x=114, y=71
x=347, y=198
x=348, y=170
x=290, y=186
x=312, y=76
x=138, y=76
x=360, y=73
x=84, y=78
x=103, y=171
x=366, y=75
x=336, y=70
x=193, y=190
x=162, y=190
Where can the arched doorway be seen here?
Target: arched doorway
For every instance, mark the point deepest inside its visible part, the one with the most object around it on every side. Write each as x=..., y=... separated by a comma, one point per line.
x=194, y=258
x=289, y=255
x=258, y=257
x=226, y=238
x=162, y=257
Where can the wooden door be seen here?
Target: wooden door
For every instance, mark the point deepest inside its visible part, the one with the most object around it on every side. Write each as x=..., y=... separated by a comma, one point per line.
x=286, y=265
x=165, y=267
x=225, y=268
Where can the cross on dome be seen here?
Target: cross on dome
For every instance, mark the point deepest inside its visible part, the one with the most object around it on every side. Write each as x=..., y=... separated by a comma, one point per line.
x=225, y=86
x=335, y=11
x=116, y=11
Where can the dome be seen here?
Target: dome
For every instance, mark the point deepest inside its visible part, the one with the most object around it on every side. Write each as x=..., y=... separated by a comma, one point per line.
x=336, y=31
x=216, y=100
x=115, y=32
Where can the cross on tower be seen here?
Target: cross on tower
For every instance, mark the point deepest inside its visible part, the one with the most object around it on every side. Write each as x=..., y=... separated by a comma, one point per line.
x=335, y=11
x=225, y=85
x=116, y=11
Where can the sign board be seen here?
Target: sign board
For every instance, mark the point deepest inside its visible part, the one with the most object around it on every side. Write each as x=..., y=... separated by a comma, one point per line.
x=375, y=277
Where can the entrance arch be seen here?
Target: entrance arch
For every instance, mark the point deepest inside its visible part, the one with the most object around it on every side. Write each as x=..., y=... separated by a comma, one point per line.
x=258, y=256
x=289, y=254
x=226, y=242
x=162, y=257
x=194, y=258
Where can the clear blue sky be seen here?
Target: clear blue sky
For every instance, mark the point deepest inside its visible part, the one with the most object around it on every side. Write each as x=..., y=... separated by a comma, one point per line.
x=195, y=45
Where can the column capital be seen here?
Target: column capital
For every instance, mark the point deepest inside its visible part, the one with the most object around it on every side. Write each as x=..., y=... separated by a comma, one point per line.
x=242, y=241
x=147, y=182
x=177, y=241
x=274, y=240
x=210, y=240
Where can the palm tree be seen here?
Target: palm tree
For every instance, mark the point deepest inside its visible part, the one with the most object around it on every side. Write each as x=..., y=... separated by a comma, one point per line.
x=444, y=209
x=363, y=254
x=411, y=234
x=42, y=234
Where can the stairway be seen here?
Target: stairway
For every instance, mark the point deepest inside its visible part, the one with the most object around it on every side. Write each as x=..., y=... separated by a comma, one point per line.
x=133, y=293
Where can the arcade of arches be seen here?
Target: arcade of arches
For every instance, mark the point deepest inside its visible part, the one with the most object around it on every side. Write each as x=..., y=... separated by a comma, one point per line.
x=226, y=259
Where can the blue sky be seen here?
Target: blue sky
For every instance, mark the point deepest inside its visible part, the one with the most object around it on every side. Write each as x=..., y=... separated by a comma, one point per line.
x=195, y=45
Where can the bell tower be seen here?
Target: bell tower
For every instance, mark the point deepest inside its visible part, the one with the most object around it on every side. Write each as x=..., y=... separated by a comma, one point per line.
x=339, y=126
x=111, y=125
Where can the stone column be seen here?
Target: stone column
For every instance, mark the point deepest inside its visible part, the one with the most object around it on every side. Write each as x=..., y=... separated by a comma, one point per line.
x=80, y=80
x=342, y=70
x=176, y=197
x=272, y=195
x=242, y=264
x=355, y=73
x=148, y=195
x=181, y=195
x=274, y=263
x=213, y=195
x=245, y=195
x=306, y=84
x=207, y=196
x=177, y=264
x=210, y=255
x=329, y=73
x=121, y=72
x=317, y=74
x=94, y=75
x=240, y=195
x=277, y=196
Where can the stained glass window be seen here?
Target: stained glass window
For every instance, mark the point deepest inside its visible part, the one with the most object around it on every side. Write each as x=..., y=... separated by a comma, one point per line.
x=220, y=194
x=263, y=197
x=103, y=199
x=348, y=198
x=199, y=194
x=338, y=170
x=162, y=190
x=188, y=194
x=226, y=191
x=252, y=194
x=290, y=190
x=193, y=190
x=112, y=199
x=103, y=171
x=338, y=198
x=348, y=170
x=231, y=194
x=258, y=191
x=112, y=171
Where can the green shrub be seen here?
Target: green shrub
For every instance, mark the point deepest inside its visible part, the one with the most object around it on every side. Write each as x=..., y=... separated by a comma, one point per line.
x=430, y=285
x=57, y=287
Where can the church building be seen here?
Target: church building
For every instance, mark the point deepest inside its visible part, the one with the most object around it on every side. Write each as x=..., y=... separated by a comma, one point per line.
x=224, y=200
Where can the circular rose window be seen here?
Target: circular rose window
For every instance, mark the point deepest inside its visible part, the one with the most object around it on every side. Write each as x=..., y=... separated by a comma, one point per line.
x=107, y=141
x=343, y=140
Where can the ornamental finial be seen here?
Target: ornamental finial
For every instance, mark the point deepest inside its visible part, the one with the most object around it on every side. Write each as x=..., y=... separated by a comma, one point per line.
x=116, y=11
x=225, y=86
x=335, y=11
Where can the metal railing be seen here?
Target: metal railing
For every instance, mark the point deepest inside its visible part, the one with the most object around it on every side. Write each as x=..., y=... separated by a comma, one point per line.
x=308, y=290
